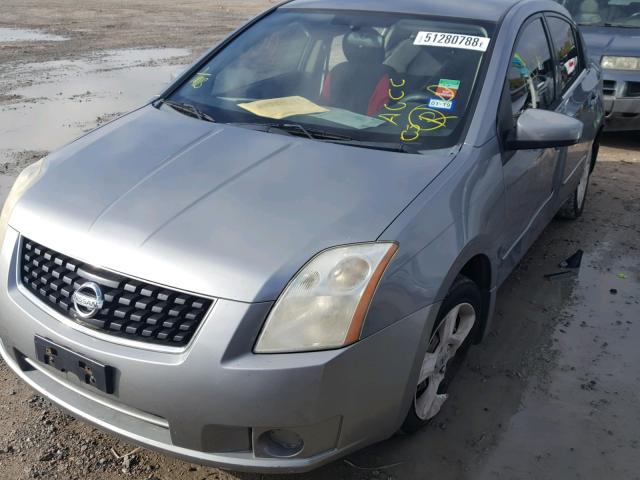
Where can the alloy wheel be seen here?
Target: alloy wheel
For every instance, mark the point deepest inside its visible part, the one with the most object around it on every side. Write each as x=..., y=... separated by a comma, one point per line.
x=443, y=347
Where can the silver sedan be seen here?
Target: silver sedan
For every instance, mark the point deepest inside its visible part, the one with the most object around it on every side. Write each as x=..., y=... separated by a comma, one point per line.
x=284, y=257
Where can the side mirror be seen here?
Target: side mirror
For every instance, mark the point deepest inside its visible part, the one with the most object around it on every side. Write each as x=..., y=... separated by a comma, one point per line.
x=544, y=129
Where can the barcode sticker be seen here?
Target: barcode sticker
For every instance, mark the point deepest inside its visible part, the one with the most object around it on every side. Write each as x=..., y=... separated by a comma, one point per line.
x=452, y=40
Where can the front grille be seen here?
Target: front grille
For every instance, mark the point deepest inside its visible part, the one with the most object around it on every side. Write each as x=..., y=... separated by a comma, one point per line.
x=132, y=309
x=609, y=88
x=633, y=89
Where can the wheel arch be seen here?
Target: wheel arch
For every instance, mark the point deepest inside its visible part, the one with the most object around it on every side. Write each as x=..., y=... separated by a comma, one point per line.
x=475, y=264
x=478, y=269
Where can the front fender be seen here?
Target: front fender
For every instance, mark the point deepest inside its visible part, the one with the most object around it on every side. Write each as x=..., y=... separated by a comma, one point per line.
x=459, y=216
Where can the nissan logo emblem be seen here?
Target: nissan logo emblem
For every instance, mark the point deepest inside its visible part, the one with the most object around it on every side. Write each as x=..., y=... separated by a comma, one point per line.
x=88, y=300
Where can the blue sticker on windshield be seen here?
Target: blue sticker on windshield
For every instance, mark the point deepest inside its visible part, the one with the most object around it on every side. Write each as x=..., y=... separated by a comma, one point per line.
x=439, y=104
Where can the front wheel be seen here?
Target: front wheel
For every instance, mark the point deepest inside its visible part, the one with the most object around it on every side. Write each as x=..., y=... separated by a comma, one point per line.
x=453, y=334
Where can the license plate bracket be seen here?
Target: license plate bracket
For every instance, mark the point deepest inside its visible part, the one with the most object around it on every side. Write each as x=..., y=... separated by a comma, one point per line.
x=89, y=371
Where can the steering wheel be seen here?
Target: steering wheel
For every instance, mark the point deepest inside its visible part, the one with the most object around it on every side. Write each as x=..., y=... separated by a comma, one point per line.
x=416, y=98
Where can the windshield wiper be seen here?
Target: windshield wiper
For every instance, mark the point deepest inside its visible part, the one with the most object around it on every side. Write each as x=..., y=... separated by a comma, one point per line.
x=188, y=109
x=317, y=134
x=288, y=127
x=296, y=128
x=388, y=147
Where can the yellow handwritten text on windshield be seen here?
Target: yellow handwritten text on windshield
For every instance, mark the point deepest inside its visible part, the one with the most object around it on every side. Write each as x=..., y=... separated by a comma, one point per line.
x=421, y=119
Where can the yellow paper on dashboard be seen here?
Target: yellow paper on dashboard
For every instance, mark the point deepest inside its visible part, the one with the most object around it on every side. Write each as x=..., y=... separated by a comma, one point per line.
x=279, y=108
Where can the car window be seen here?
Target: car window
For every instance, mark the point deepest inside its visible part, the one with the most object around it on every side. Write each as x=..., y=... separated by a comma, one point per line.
x=531, y=73
x=610, y=13
x=279, y=53
x=566, y=50
x=393, y=79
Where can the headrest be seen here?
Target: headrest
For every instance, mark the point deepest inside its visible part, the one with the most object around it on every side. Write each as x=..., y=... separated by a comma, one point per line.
x=590, y=7
x=364, y=46
x=400, y=32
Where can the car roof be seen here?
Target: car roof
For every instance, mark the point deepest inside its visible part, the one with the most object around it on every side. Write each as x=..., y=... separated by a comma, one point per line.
x=485, y=10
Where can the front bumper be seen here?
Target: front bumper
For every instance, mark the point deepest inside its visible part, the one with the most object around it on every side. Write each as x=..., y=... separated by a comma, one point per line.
x=212, y=403
x=622, y=100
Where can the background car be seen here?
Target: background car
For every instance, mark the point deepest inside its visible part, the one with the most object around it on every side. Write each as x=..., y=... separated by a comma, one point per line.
x=611, y=29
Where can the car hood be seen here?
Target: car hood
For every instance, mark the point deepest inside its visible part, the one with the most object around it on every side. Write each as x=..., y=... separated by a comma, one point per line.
x=611, y=41
x=212, y=209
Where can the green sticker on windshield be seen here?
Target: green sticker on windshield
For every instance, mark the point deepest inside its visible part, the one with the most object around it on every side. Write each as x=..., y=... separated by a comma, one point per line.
x=455, y=84
x=448, y=89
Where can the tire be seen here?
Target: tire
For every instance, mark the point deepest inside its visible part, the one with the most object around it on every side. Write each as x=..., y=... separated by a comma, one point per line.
x=574, y=207
x=461, y=309
x=595, y=150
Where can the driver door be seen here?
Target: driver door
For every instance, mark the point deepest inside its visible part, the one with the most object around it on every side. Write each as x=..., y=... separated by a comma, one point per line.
x=528, y=174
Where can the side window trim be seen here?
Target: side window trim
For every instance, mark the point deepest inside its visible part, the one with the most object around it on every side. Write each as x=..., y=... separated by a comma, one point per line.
x=556, y=71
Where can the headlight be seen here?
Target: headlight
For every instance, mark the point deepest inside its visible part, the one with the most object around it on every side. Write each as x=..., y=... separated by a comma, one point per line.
x=325, y=304
x=25, y=180
x=621, y=63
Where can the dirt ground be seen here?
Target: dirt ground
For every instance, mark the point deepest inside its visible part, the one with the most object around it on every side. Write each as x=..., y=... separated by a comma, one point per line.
x=552, y=393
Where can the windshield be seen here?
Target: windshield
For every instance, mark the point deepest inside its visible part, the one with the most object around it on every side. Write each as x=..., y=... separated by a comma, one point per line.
x=349, y=77
x=613, y=13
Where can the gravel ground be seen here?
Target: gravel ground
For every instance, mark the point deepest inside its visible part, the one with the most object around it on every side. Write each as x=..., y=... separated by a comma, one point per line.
x=553, y=391
x=94, y=25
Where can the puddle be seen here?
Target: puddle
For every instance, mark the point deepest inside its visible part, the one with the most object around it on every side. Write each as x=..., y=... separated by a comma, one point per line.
x=10, y=35
x=584, y=418
x=60, y=100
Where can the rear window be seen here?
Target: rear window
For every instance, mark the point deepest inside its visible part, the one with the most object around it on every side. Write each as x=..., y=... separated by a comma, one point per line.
x=377, y=78
x=566, y=49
